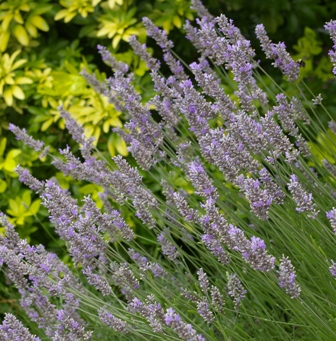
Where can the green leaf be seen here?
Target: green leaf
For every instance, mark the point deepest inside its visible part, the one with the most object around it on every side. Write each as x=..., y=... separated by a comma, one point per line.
x=21, y=35
x=110, y=145
x=87, y=31
x=3, y=185
x=89, y=189
x=26, y=198
x=35, y=206
x=3, y=142
x=13, y=207
x=9, y=163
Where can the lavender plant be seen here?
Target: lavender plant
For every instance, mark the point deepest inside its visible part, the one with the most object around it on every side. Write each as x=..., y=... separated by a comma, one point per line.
x=243, y=252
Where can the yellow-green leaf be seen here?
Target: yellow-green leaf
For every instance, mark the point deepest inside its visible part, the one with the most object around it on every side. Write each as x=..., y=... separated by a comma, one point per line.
x=35, y=206
x=9, y=165
x=106, y=127
x=121, y=146
x=13, y=153
x=18, y=17
x=116, y=41
x=40, y=23
x=21, y=35
x=17, y=92
x=166, y=26
x=14, y=207
x=96, y=134
x=20, y=219
x=61, y=14
x=89, y=131
x=9, y=79
x=177, y=21
x=4, y=37
x=18, y=63
x=23, y=80
x=130, y=32
x=89, y=189
x=31, y=29
x=3, y=185
x=3, y=142
x=26, y=198
x=69, y=67
x=14, y=55
x=115, y=122
x=69, y=17
x=6, y=21
x=8, y=97
x=46, y=124
x=24, y=7
x=110, y=146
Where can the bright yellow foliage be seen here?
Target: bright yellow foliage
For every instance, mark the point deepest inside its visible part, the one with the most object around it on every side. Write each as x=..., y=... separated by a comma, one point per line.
x=22, y=19
x=9, y=79
x=119, y=25
x=74, y=7
x=23, y=207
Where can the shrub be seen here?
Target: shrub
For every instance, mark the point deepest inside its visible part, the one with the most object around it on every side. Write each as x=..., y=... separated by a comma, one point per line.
x=237, y=239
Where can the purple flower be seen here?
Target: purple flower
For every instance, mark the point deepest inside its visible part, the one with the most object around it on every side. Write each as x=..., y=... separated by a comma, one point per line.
x=331, y=28
x=332, y=268
x=304, y=201
x=278, y=53
x=331, y=215
x=235, y=289
x=12, y=329
x=287, y=278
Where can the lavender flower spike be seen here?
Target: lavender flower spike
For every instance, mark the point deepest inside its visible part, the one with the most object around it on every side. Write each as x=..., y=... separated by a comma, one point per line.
x=203, y=280
x=158, y=35
x=332, y=268
x=112, y=321
x=282, y=58
x=183, y=330
x=26, y=178
x=287, y=278
x=236, y=290
x=21, y=134
x=13, y=329
x=303, y=200
x=201, y=10
x=331, y=215
x=331, y=28
x=77, y=133
x=168, y=249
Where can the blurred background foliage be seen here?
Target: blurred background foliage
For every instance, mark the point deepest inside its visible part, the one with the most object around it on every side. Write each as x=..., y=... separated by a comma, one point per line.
x=45, y=44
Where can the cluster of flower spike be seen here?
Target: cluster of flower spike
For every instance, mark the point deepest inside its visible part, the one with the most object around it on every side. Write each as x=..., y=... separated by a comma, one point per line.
x=248, y=147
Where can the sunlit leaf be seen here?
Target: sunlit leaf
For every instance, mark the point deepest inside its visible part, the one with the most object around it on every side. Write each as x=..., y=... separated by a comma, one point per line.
x=3, y=186
x=47, y=124
x=40, y=23
x=8, y=97
x=61, y=14
x=4, y=37
x=31, y=29
x=26, y=198
x=116, y=41
x=23, y=80
x=35, y=206
x=14, y=207
x=3, y=142
x=17, y=92
x=21, y=35
x=6, y=21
